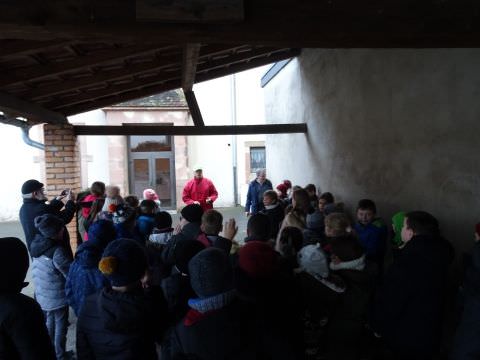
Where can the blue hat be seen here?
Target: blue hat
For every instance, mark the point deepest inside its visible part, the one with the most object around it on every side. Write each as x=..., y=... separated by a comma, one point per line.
x=48, y=225
x=100, y=233
x=13, y=264
x=123, y=262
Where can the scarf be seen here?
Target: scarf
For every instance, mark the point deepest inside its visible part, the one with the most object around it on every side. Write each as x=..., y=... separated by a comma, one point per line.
x=213, y=302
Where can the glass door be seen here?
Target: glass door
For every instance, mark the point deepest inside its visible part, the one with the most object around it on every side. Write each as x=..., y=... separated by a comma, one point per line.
x=153, y=169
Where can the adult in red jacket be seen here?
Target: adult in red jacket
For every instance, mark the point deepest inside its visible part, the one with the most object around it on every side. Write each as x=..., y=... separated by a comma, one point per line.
x=200, y=191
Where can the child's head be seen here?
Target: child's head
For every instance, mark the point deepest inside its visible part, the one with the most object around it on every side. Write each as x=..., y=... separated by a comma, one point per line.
x=325, y=199
x=290, y=241
x=50, y=226
x=132, y=201
x=258, y=227
x=98, y=188
x=346, y=248
x=366, y=211
x=282, y=190
x=311, y=190
x=148, y=207
x=212, y=222
x=300, y=200
x=337, y=224
x=419, y=223
x=163, y=220
x=270, y=197
x=112, y=191
x=150, y=194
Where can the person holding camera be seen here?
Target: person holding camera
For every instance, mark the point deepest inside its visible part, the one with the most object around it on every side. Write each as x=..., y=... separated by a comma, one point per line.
x=35, y=204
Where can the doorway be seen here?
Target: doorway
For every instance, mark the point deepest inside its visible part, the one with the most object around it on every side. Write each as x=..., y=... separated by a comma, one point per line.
x=152, y=166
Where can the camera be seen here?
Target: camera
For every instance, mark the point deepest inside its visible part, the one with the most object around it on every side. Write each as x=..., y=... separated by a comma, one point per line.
x=64, y=192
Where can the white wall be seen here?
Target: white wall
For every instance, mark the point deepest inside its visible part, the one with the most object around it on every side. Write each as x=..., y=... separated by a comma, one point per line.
x=18, y=163
x=398, y=126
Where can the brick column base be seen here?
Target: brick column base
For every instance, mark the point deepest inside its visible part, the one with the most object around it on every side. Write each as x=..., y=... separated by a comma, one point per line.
x=62, y=166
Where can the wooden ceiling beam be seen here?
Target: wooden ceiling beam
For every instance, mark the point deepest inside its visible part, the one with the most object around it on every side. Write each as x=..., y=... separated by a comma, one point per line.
x=191, y=54
x=284, y=23
x=80, y=63
x=156, y=129
x=32, y=112
x=21, y=48
x=161, y=62
x=194, y=108
x=173, y=79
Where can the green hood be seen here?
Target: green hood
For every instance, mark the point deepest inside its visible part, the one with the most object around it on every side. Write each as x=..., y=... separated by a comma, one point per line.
x=397, y=222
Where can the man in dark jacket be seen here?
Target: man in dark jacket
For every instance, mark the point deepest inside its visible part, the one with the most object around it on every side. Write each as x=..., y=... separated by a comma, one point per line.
x=34, y=204
x=256, y=189
x=408, y=309
x=23, y=334
x=122, y=321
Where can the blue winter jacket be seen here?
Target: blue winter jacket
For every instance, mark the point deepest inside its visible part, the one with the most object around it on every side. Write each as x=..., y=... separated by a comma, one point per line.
x=255, y=196
x=373, y=238
x=144, y=226
x=84, y=278
x=50, y=267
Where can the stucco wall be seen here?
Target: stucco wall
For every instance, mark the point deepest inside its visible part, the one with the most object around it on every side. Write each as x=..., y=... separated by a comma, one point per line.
x=398, y=126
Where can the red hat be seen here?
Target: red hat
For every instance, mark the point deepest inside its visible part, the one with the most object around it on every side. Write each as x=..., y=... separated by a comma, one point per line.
x=288, y=184
x=283, y=189
x=477, y=228
x=258, y=259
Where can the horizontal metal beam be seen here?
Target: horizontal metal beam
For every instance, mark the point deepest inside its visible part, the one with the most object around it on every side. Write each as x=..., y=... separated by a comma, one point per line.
x=158, y=129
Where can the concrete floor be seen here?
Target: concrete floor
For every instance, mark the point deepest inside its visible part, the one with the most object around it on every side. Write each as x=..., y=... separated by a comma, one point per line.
x=14, y=229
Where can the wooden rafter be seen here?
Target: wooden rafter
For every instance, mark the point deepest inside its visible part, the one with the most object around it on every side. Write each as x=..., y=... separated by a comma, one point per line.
x=156, y=129
x=32, y=112
x=80, y=63
x=191, y=53
x=18, y=48
x=194, y=108
x=165, y=81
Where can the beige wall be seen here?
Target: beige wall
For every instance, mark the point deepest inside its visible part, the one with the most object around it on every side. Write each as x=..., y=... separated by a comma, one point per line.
x=398, y=126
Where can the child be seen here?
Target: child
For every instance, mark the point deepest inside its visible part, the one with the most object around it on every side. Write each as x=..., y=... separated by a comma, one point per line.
x=371, y=232
x=161, y=235
x=300, y=208
x=274, y=210
x=132, y=201
x=112, y=197
x=150, y=194
x=146, y=220
x=211, y=227
x=84, y=278
x=92, y=204
x=337, y=224
x=123, y=321
x=124, y=222
x=23, y=334
x=288, y=245
x=312, y=194
x=50, y=265
x=326, y=203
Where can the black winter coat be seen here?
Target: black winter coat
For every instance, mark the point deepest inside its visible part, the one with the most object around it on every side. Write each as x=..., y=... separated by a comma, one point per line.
x=189, y=232
x=224, y=334
x=275, y=216
x=32, y=208
x=409, y=305
x=23, y=334
x=114, y=325
x=177, y=291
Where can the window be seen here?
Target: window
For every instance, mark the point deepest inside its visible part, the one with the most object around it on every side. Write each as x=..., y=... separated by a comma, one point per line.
x=257, y=158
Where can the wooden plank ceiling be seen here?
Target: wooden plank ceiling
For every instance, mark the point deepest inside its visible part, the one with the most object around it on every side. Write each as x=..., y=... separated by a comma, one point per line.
x=64, y=58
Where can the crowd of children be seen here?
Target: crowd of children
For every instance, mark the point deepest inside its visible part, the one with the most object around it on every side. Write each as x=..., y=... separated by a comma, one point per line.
x=306, y=283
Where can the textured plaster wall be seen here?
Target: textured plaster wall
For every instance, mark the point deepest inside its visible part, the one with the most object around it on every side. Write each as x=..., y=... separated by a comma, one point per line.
x=398, y=126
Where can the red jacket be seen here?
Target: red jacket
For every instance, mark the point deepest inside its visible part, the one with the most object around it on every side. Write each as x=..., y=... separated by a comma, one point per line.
x=199, y=190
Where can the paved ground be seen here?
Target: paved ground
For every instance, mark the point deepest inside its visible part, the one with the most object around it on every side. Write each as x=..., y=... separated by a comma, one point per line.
x=15, y=229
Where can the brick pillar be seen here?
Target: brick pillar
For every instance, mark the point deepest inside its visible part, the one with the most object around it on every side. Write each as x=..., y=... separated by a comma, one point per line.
x=62, y=166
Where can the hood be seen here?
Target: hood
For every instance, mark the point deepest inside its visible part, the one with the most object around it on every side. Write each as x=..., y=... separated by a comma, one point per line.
x=41, y=245
x=88, y=255
x=124, y=312
x=191, y=230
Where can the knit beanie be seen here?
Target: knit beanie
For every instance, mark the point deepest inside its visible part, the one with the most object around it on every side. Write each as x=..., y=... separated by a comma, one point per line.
x=30, y=186
x=210, y=272
x=192, y=213
x=397, y=221
x=100, y=233
x=13, y=264
x=150, y=194
x=123, y=213
x=257, y=259
x=287, y=183
x=123, y=262
x=163, y=220
x=283, y=189
x=48, y=225
x=184, y=251
x=312, y=260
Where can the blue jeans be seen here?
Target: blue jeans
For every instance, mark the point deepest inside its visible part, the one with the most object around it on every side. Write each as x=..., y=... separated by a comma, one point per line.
x=57, y=326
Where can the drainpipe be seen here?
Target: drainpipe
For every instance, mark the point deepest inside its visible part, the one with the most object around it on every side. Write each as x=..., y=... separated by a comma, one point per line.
x=233, y=94
x=30, y=142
